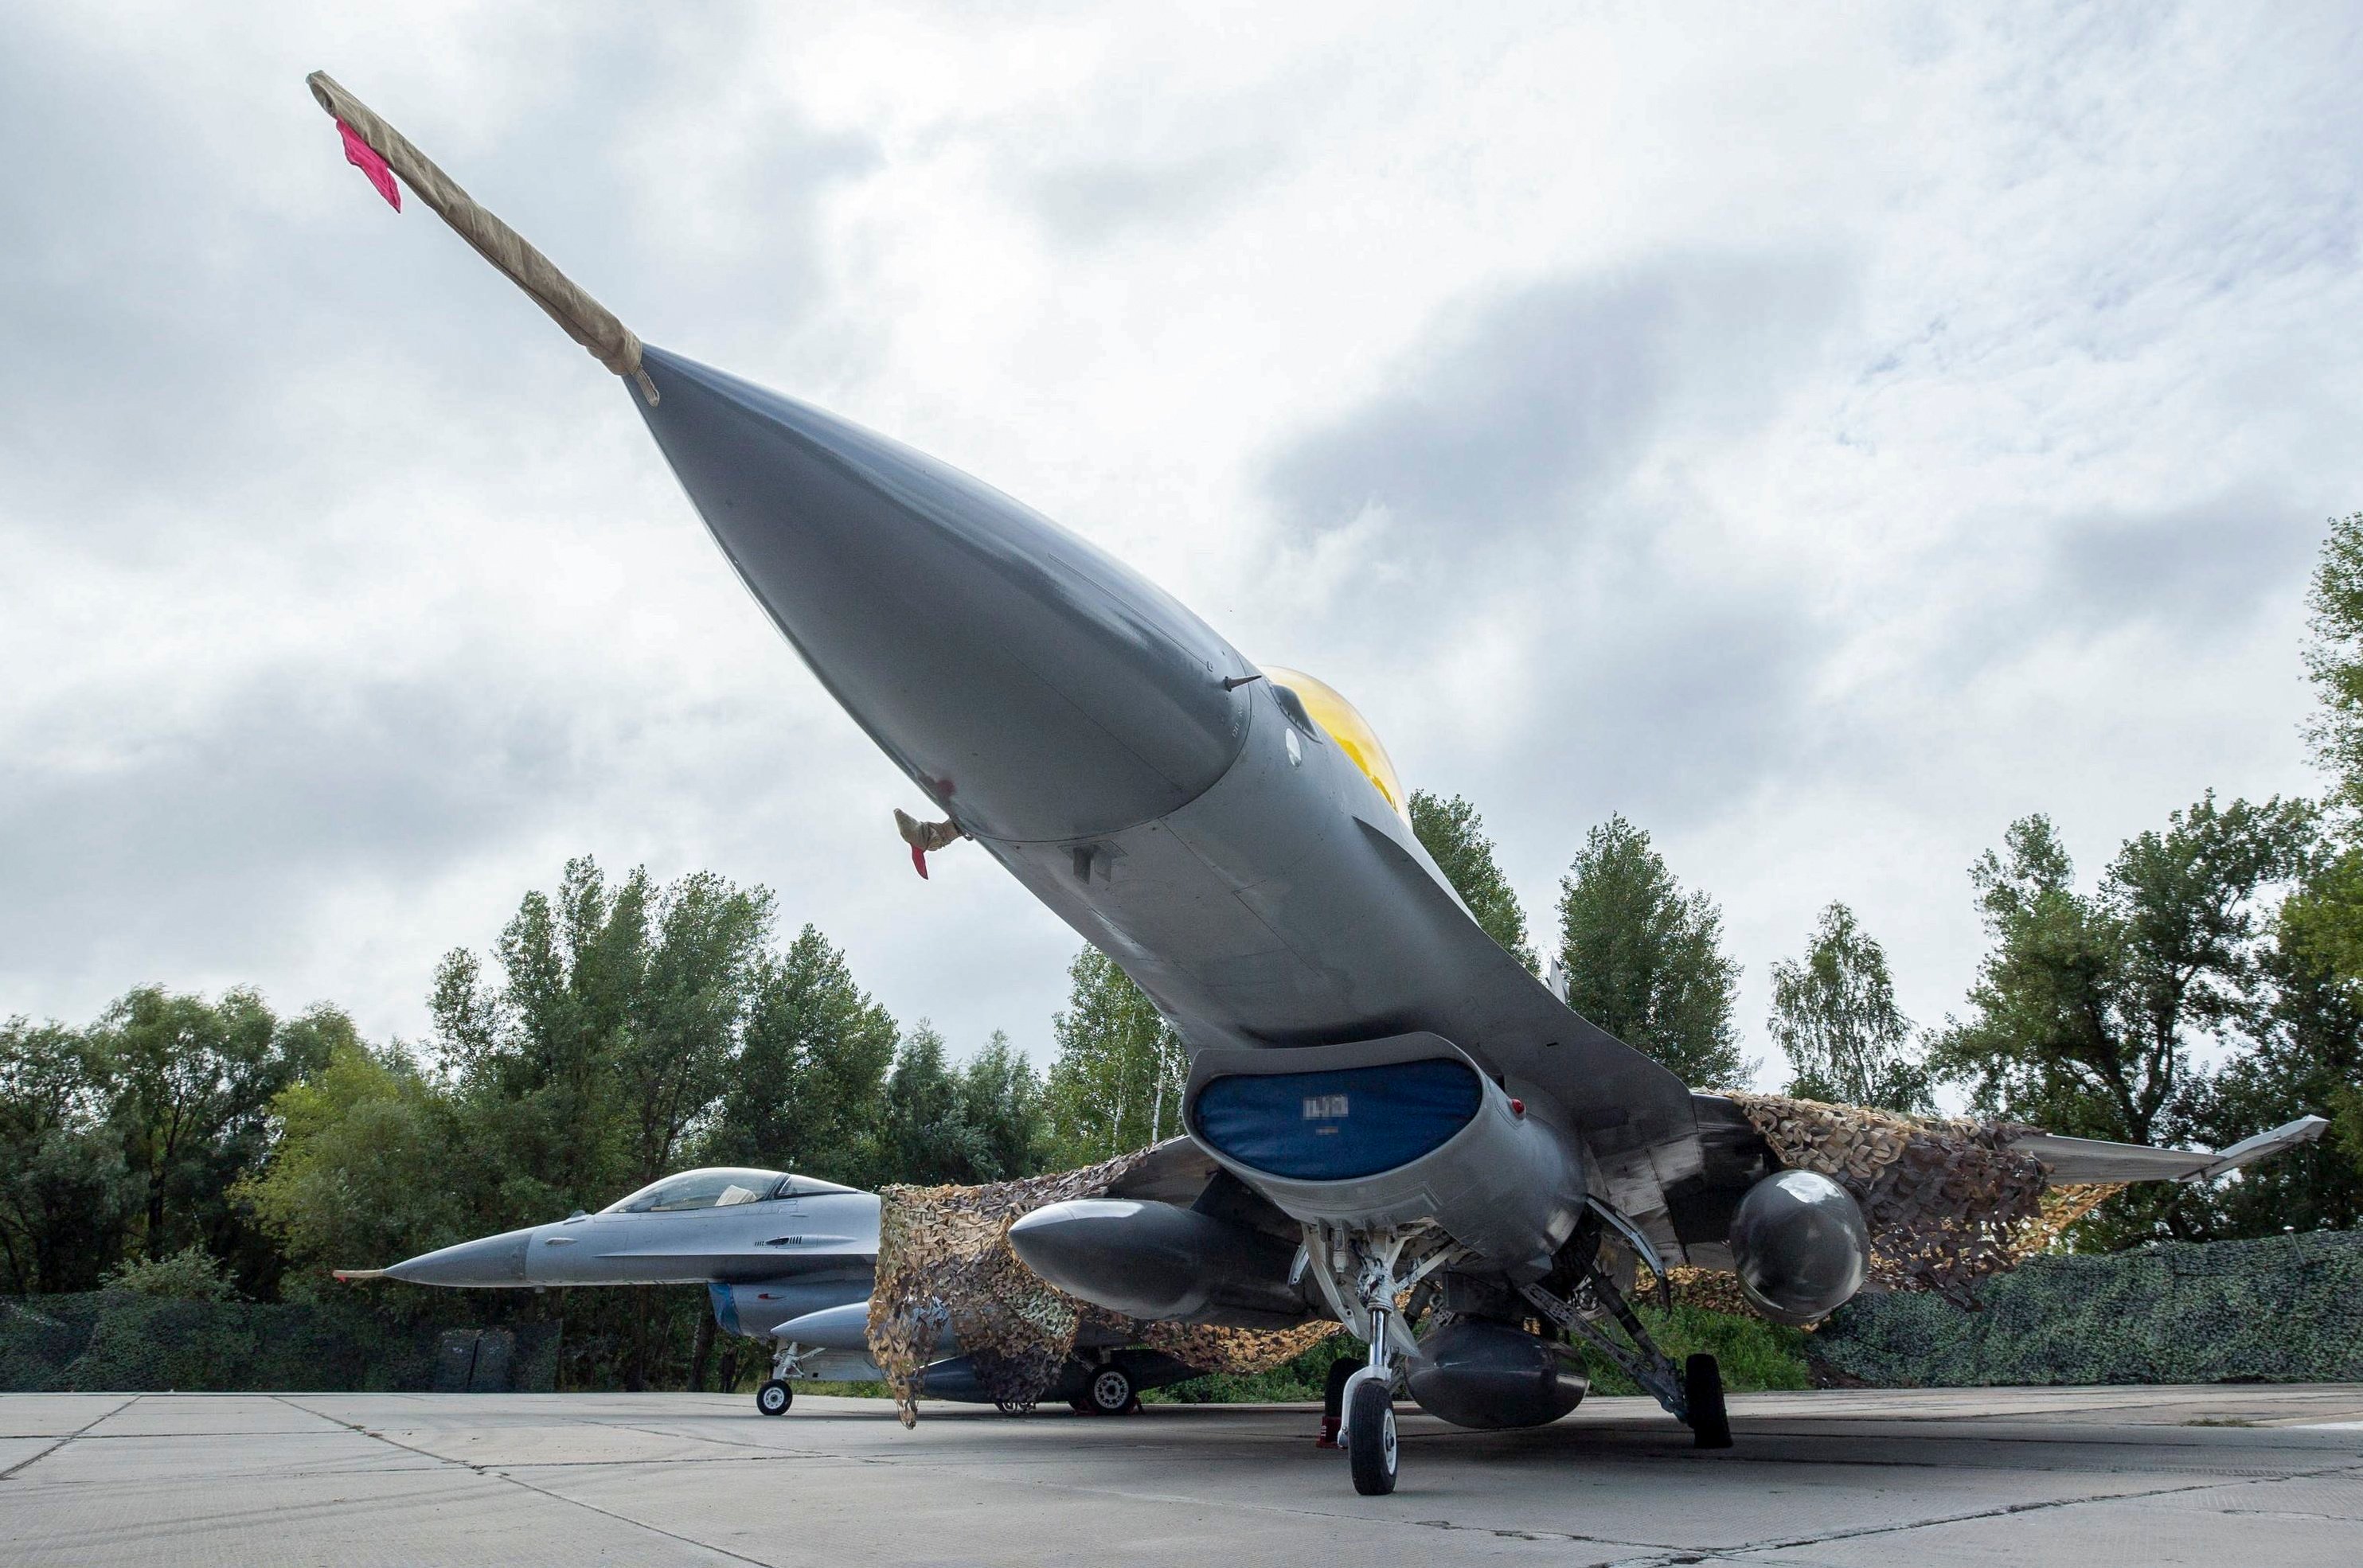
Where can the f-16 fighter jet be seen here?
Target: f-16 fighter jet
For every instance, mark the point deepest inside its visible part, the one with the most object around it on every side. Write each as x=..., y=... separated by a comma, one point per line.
x=1373, y=1072
x=787, y=1258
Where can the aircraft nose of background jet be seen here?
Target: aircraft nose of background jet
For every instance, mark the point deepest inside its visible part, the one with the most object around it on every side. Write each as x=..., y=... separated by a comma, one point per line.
x=487, y=1262
x=1036, y=688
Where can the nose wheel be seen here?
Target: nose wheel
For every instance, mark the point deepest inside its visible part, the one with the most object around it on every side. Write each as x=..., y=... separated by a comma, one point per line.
x=774, y=1398
x=1371, y=1438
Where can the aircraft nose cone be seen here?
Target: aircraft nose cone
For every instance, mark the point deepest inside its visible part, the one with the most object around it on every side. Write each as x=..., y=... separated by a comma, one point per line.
x=486, y=1263
x=1031, y=684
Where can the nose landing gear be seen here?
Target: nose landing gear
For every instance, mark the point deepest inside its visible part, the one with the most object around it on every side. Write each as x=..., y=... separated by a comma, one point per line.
x=1367, y=1278
x=775, y=1396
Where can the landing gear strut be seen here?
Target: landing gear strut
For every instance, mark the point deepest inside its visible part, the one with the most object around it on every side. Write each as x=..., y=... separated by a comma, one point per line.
x=774, y=1396
x=1366, y=1276
x=1692, y=1394
x=1369, y=1434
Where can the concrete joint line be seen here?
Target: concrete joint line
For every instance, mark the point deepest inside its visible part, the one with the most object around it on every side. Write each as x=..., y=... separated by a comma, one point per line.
x=23, y=1465
x=2004, y=1512
x=504, y=1478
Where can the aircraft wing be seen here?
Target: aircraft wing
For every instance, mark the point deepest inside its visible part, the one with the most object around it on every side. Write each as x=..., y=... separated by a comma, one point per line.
x=2094, y=1160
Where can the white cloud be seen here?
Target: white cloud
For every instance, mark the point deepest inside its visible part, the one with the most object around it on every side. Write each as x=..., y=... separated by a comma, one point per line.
x=1822, y=440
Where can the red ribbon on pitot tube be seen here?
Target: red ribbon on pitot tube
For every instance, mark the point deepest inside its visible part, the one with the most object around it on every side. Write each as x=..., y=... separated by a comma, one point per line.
x=365, y=157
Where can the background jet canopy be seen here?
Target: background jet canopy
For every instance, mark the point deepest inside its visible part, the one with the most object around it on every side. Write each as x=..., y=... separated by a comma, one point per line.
x=717, y=1187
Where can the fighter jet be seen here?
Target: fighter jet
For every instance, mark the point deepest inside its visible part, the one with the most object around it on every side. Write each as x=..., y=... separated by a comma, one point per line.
x=784, y=1257
x=1374, y=1075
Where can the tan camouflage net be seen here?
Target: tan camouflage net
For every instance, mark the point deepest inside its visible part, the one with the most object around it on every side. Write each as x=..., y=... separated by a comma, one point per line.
x=945, y=1273
x=1947, y=1201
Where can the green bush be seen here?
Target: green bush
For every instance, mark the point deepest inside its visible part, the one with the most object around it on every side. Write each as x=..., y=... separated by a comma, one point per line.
x=189, y=1274
x=1755, y=1356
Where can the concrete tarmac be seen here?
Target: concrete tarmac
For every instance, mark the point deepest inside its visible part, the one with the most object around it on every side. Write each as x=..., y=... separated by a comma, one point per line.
x=2228, y=1478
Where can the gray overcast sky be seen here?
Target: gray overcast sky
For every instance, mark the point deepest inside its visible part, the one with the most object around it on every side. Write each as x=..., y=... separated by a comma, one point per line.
x=1822, y=440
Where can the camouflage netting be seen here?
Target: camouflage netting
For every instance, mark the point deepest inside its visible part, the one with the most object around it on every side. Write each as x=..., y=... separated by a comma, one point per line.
x=946, y=1271
x=2280, y=1309
x=1947, y=1201
x=120, y=1341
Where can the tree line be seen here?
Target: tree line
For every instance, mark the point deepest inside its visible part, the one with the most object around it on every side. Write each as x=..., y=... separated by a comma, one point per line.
x=2207, y=984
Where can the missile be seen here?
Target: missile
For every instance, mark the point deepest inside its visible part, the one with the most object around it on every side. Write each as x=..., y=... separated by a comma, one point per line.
x=1163, y=1262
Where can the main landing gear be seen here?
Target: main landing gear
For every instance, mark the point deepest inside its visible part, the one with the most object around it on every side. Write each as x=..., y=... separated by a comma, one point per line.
x=1692, y=1392
x=1109, y=1393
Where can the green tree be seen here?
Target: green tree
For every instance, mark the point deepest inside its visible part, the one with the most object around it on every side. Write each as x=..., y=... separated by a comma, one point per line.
x=1454, y=836
x=1001, y=1098
x=2334, y=658
x=611, y=1034
x=927, y=1136
x=2088, y=1006
x=690, y=996
x=1834, y=1016
x=1645, y=961
x=1116, y=1084
x=191, y=1084
x=370, y=1167
x=2307, y=1058
x=806, y=1092
x=64, y=1192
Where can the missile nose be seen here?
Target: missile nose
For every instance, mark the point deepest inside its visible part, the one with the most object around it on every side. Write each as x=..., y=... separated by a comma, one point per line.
x=1035, y=687
x=488, y=1262
x=1110, y=1251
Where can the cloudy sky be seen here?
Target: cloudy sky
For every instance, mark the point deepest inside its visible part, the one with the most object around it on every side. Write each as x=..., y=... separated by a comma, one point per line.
x=1821, y=441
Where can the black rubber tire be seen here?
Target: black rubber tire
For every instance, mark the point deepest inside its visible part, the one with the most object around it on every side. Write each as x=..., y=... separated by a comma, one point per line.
x=774, y=1396
x=1110, y=1391
x=1702, y=1391
x=1371, y=1439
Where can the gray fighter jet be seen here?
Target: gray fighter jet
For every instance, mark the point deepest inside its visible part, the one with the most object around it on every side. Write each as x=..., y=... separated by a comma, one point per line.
x=1380, y=1080
x=1394, y=1101
x=786, y=1258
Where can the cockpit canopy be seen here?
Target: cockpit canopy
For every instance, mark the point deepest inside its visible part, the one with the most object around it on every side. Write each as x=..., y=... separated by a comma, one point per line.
x=1304, y=699
x=718, y=1187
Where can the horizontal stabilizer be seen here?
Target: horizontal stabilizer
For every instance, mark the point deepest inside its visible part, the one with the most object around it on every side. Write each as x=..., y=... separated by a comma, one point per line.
x=2093, y=1159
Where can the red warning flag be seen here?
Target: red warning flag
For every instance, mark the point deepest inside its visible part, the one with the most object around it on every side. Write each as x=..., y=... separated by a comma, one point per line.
x=363, y=157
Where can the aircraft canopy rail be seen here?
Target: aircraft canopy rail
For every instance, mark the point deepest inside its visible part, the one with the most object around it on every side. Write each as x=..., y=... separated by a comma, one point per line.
x=718, y=1187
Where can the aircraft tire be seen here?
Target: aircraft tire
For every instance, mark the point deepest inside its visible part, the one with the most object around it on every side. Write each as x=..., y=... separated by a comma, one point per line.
x=774, y=1396
x=1702, y=1391
x=1112, y=1393
x=1371, y=1438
